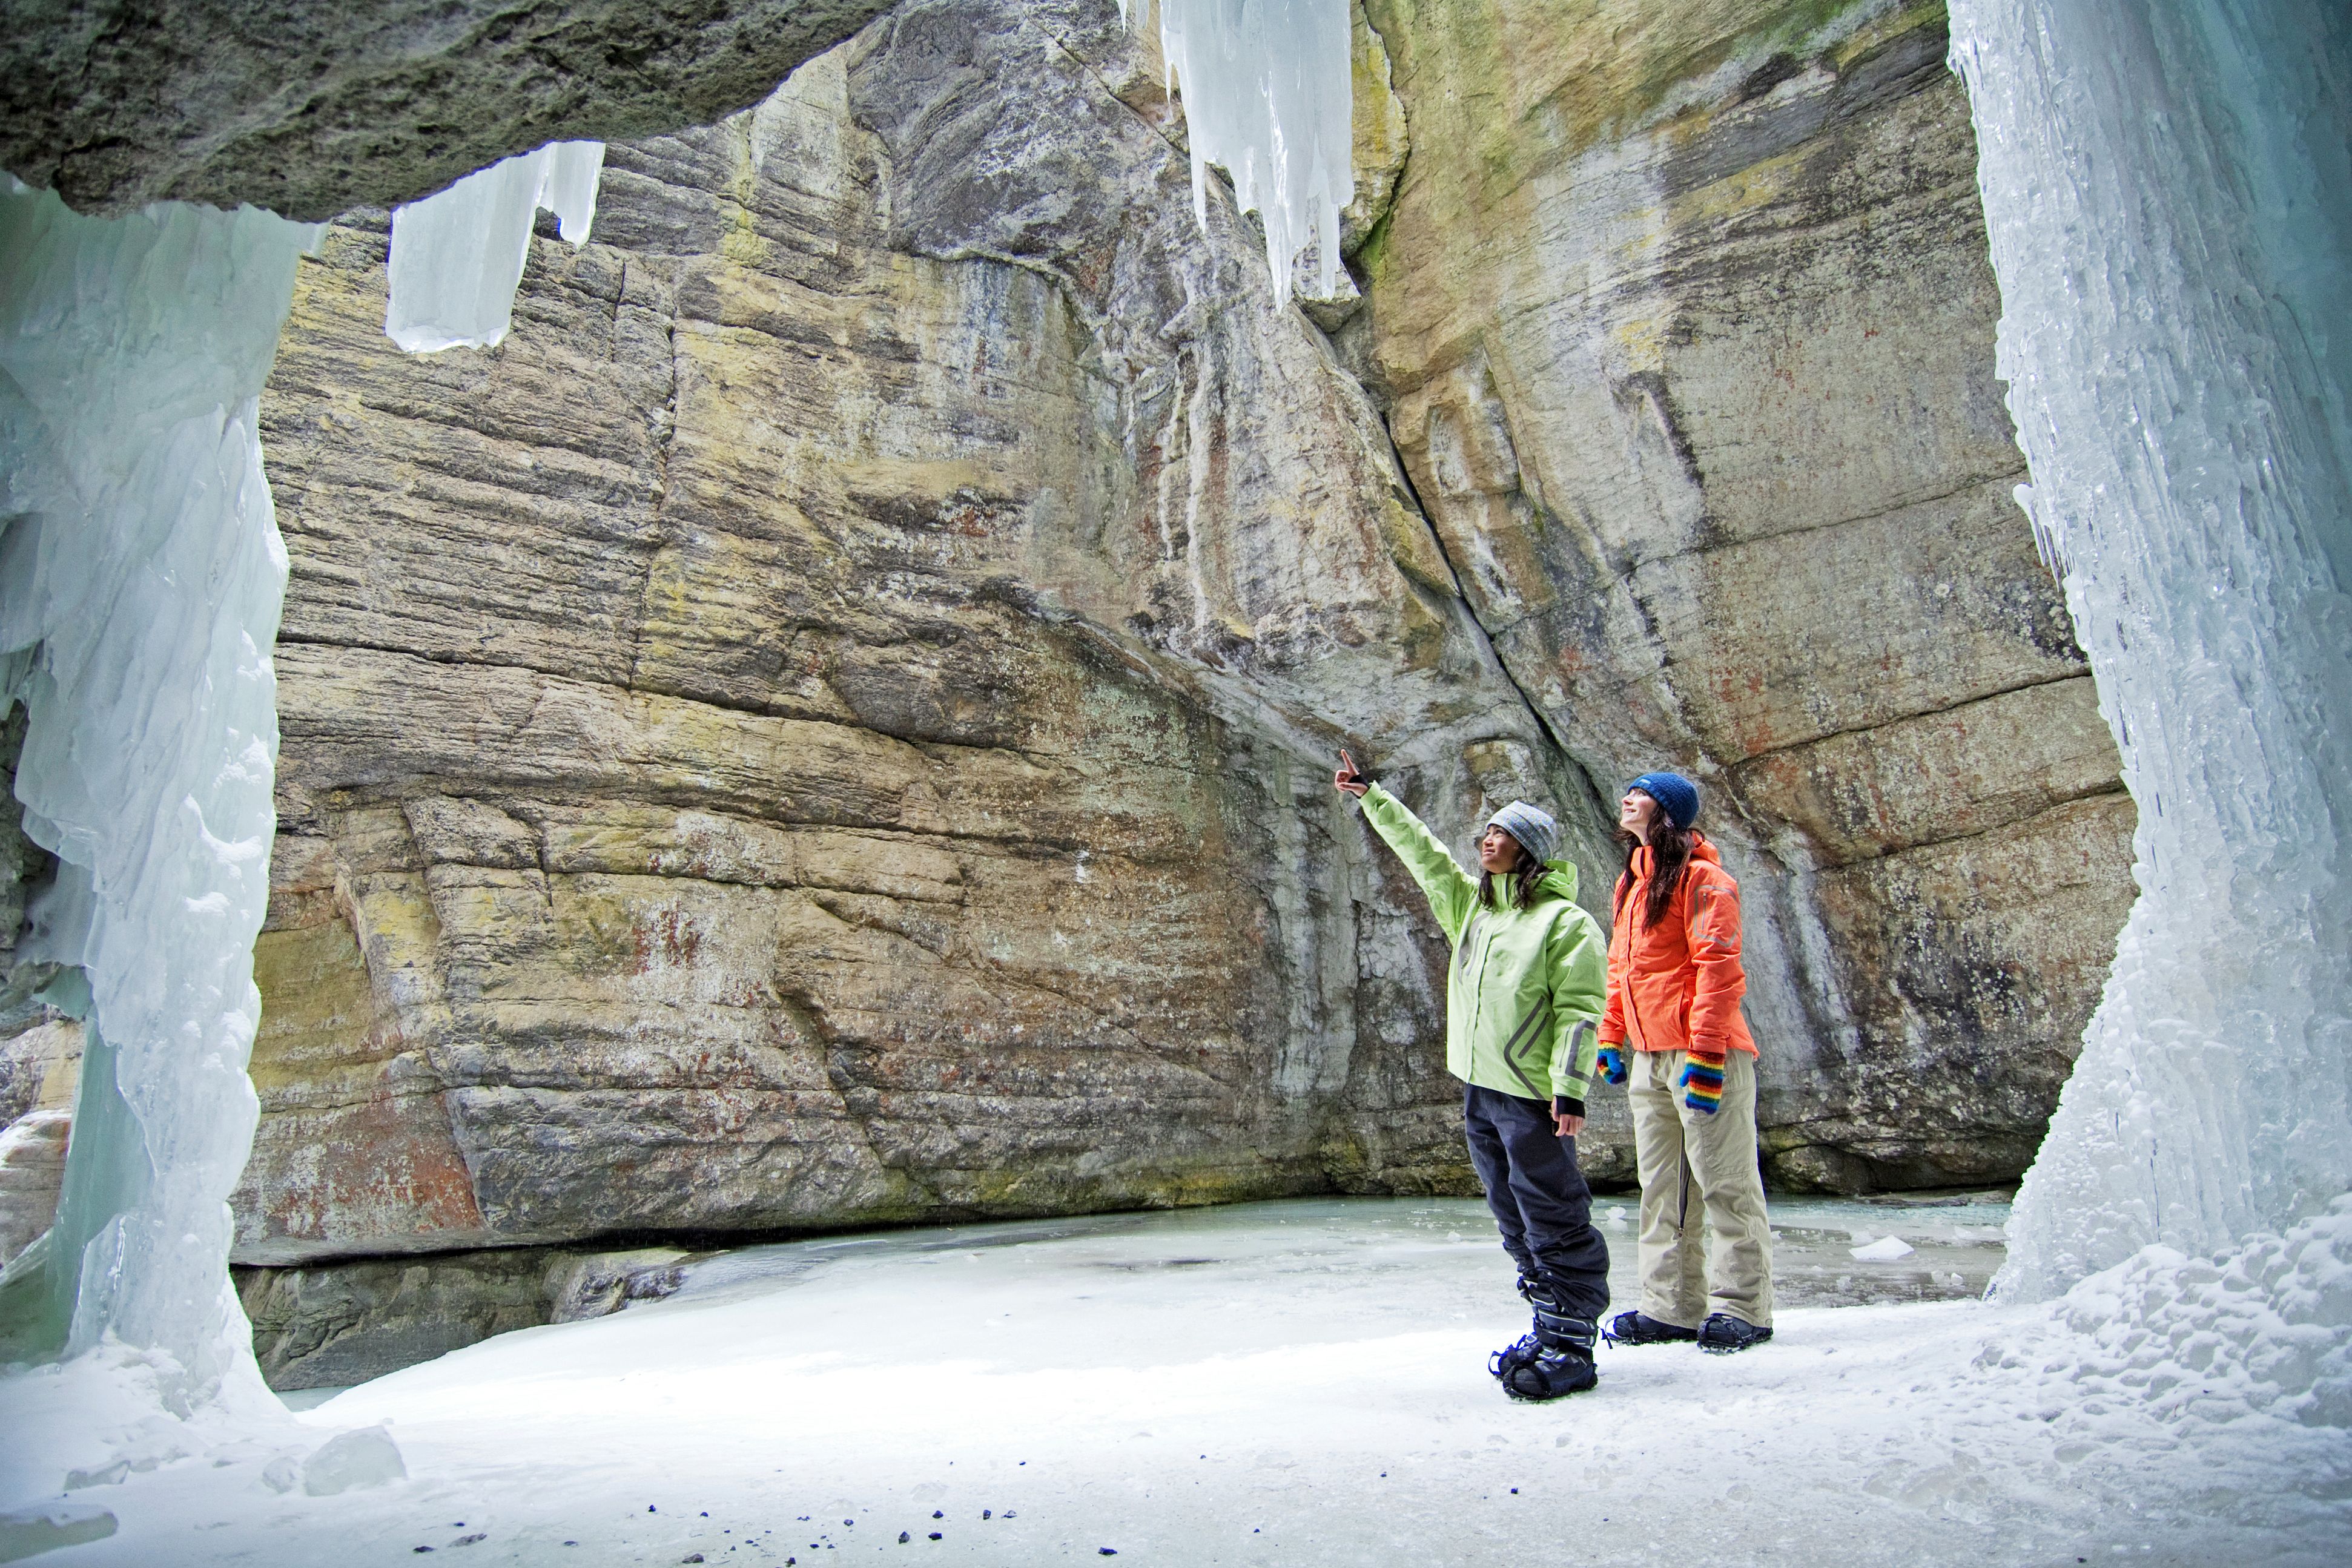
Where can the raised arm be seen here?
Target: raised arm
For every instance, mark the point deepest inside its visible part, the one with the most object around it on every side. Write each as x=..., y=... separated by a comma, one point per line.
x=1452, y=893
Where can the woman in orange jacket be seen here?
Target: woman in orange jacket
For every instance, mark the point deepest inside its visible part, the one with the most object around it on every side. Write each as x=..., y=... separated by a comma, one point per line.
x=1675, y=985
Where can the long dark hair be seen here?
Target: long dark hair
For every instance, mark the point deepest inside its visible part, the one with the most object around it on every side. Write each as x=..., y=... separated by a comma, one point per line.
x=1670, y=854
x=1523, y=896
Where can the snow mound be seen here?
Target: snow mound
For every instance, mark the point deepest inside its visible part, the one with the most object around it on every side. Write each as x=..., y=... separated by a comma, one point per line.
x=2265, y=1329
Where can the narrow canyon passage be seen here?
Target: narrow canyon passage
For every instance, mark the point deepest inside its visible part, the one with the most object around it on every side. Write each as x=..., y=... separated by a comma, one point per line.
x=823, y=725
x=817, y=720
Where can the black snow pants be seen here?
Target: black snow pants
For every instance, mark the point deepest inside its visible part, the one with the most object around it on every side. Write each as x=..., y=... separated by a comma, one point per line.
x=1539, y=1196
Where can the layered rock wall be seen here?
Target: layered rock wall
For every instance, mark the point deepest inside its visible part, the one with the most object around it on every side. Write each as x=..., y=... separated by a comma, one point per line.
x=827, y=724
x=1685, y=321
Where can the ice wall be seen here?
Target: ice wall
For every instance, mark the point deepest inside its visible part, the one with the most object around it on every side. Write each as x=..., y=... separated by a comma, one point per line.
x=141, y=576
x=458, y=256
x=1268, y=96
x=2165, y=186
x=141, y=581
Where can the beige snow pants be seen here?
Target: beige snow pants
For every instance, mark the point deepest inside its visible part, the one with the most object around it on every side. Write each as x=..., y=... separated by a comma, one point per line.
x=1697, y=1166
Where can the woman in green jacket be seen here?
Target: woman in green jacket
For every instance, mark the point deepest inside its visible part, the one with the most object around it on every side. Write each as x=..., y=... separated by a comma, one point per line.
x=1524, y=996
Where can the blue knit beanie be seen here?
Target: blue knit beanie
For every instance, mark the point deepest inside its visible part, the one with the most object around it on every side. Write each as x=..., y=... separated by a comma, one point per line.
x=1675, y=795
x=1535, y=831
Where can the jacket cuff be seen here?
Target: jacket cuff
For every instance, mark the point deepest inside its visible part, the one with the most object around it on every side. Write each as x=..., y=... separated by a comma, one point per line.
x=1713, y=1056
x=1567, y=1106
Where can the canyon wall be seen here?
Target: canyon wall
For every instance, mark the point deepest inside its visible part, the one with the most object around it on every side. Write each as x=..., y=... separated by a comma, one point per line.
x=828, y=723
x=1685, y=322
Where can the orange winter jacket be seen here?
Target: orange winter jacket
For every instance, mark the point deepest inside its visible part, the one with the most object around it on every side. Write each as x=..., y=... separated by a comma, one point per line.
x=1677, y=985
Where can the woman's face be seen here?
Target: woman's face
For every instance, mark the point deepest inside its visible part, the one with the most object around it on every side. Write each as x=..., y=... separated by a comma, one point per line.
x=1636, y=812
x=1497, y=851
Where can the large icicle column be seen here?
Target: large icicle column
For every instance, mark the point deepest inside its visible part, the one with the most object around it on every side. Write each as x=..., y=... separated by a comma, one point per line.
x=141, y=581
x=141, y=577
x=1268, y=95
x=2166, y=186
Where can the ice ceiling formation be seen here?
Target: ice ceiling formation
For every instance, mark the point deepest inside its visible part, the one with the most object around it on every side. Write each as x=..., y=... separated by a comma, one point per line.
x=1268, y=96
x=2166, y=279
x=458, y=256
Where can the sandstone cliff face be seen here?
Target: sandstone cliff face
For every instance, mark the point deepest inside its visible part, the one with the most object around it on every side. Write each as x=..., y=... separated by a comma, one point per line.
x=829, y=723
x=1686, y=323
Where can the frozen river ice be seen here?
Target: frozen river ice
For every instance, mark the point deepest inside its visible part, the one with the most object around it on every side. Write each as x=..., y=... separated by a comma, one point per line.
x=1295, y=1383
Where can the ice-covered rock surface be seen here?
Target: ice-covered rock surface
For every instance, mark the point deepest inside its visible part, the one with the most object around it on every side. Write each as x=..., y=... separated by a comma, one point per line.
x=457, y=255
x=1275, y=1384
x=2166, y=197
x=141, y=576
x=1268, y=95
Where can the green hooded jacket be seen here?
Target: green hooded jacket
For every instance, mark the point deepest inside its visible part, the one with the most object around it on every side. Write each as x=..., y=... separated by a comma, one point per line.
x=1525, y=991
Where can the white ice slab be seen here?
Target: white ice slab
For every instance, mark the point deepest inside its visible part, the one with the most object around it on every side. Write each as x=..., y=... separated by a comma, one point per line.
x=458, y=256
x=2165, y=194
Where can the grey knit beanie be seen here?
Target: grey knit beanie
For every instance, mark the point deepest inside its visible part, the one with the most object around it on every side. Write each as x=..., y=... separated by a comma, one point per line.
x=1536, y=832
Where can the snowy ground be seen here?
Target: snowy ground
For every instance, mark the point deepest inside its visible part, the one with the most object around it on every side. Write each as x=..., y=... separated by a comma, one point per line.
x=1275, y=1384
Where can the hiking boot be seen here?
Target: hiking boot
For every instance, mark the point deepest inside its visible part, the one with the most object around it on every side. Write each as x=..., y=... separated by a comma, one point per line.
x=1524, y=1349
x=1637, y=1328
x=1554, y=1373
x=1722, y=1334
x=1554, y=1360
x=1513, y=1356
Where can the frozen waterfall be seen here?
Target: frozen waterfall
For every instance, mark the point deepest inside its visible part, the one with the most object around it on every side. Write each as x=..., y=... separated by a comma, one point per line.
x=2166, y=190
x=140, y=581
x=1268, y=95
x=141, y=577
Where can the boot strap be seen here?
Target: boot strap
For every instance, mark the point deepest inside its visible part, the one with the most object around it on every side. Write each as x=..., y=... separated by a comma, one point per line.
x=1559, y=1330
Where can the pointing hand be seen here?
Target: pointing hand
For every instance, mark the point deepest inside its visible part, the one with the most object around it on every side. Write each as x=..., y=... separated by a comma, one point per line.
x=1348, y=779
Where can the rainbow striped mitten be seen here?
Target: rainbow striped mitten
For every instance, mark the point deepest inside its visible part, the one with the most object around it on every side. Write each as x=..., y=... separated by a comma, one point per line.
x=1701, y=1083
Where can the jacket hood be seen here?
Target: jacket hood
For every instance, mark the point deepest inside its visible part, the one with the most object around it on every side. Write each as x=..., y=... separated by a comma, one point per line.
x=1700, y=851
x=1560, y=877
